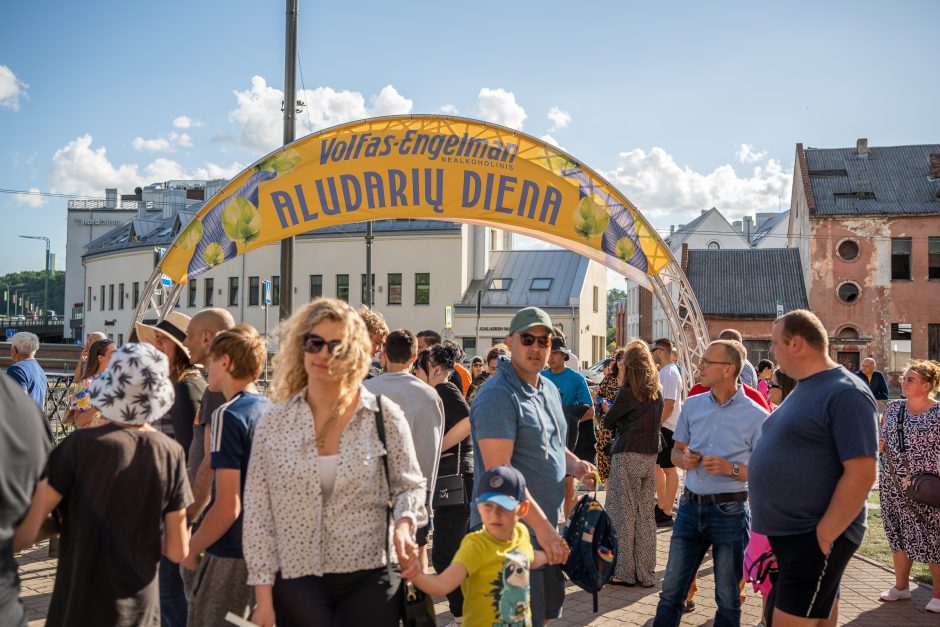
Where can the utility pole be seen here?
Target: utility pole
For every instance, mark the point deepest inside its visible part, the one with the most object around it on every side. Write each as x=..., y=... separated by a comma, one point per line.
x=290, y=95
x=45, y=288
x=369, y=286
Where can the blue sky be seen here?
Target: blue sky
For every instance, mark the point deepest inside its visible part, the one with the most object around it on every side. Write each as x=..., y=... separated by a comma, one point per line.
x=683, y=105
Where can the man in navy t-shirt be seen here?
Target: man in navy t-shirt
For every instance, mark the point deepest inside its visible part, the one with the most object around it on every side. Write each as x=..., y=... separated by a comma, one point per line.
x=25, y=370
x=811, y=472
x=236, y=359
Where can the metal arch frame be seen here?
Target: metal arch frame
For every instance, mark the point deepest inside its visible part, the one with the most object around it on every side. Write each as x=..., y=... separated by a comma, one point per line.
x=149, y=306
x=685, y=319
x=684, y=315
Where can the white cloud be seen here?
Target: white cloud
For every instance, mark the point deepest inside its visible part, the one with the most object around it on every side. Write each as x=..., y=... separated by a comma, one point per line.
x=390, y=102
x=746, y=154
x=559, y=118
x=152, y=145
x=659, y=187
x=448, y=109
x=260, y=122
x=182, y=139
x=32, y=199
x=184, y=121
x=500, y=106
x=78, y=168
x=11, y=89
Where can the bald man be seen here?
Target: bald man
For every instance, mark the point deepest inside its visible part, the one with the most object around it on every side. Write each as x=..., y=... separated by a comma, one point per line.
x=204, y=326
x=875, y=379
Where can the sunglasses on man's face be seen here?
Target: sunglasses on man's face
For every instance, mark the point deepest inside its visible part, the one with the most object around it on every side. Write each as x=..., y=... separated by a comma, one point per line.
x=773, y=385
x=529, y=340
x=314, y=344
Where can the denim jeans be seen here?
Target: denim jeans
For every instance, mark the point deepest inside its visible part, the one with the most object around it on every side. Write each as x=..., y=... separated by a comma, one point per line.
x=723, y=527
x=173, y=605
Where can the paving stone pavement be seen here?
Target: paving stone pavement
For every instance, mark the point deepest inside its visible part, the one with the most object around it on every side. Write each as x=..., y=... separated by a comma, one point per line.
x=862, y=583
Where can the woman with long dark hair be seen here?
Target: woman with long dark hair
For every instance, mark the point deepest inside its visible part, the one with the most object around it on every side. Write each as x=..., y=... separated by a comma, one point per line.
x=607, y=391
x=635, y=417
x=81, y=413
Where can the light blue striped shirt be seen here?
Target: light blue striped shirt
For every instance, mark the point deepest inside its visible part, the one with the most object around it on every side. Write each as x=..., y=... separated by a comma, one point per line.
x=729, y=431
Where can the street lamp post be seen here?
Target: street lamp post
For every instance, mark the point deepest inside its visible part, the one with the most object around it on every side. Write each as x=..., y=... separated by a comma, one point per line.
x=45, y=287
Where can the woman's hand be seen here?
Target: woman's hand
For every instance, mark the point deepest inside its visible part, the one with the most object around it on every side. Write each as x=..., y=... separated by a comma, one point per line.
x=405, y=547
x=264, y=608
x=263, y=615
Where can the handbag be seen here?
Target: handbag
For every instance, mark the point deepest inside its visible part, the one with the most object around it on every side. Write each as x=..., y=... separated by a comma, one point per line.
x=417, y=607
x=923, y=487
x=450, y=490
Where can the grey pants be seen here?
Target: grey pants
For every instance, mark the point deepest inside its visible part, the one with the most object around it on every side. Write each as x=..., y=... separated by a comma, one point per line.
x=219, y=586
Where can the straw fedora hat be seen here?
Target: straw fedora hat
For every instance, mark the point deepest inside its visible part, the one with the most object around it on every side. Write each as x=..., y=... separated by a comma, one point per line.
x=173, y=327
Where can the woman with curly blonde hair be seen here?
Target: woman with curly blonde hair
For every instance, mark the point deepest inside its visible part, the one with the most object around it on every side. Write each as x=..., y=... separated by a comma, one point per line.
x=635, y=417
x=317, y=495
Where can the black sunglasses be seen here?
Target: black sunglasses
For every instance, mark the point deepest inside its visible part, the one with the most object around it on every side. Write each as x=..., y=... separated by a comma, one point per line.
x=314, y=344
x=774, y=385
x=529, y=340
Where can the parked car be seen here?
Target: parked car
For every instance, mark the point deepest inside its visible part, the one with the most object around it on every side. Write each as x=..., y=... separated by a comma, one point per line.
x=594, y=374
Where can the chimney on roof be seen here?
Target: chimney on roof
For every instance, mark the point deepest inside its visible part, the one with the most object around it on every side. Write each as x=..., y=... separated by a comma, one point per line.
x=861, y=147
x=748, y=228
x=935, y=166
x=672, y=229
x=737, y=226
x=110, y=198
x=684, y=263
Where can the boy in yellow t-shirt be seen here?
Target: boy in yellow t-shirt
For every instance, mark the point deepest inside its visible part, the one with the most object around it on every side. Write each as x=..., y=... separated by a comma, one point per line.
x=492, y=565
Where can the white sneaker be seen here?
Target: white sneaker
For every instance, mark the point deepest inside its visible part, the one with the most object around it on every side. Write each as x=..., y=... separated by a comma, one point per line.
x=896, y=595
x=933, y=606
x=457, y=622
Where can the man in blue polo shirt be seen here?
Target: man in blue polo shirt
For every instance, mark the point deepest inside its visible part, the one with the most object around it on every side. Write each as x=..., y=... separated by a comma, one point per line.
x=714, y=438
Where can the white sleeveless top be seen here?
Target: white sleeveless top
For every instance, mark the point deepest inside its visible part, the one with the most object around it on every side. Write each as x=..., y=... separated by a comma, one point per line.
x=328, y=464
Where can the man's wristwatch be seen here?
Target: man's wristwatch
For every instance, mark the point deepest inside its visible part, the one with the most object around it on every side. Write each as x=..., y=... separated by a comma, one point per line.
x=735, y=470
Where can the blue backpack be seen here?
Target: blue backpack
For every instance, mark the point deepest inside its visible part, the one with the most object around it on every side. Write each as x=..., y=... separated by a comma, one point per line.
x=590, y=535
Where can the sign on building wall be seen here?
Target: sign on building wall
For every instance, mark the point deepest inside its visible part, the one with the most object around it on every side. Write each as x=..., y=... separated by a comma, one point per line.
x=430, y=167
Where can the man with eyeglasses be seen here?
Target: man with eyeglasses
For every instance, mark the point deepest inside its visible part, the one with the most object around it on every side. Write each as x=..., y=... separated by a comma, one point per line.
x=714, y=438
x=516, y=419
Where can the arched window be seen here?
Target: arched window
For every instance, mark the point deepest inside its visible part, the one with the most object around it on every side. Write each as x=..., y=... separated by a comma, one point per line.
x=713, y=245
x=848, y=333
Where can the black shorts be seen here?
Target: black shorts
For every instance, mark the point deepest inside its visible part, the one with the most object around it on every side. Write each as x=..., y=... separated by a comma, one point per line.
x=547, y=593
x=586, y=446
x=664, y=459
x=808, y=582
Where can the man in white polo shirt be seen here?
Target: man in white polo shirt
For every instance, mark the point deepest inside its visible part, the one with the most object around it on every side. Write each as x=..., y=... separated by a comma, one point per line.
x=667, y=478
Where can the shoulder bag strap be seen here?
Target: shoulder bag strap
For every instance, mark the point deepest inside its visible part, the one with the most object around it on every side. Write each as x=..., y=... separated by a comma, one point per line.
x=393, y=576
x=893, y=472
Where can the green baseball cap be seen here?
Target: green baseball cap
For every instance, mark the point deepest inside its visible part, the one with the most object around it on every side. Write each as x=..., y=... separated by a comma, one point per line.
x=529, y=317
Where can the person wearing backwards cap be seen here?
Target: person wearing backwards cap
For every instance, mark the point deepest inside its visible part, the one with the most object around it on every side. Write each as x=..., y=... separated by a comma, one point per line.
x=492, y=565
x=122, y=491
x=517, y=420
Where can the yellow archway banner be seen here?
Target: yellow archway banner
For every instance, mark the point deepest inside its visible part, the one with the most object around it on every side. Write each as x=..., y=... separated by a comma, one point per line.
x=431, y=167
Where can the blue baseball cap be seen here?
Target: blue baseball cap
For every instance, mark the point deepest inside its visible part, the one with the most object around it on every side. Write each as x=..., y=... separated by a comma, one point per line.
x=503, y=485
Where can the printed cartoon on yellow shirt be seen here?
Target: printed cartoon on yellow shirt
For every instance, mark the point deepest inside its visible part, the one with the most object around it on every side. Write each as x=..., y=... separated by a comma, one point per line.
x=511, y=590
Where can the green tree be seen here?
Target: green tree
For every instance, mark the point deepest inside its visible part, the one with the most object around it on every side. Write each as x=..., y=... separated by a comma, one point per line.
x=30, y=284
x=613, y=295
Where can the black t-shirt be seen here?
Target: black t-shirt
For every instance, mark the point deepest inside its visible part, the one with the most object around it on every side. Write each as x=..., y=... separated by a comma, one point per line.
x=455, y=410
x=25, y=441
x=116, y=484
x=185, y=409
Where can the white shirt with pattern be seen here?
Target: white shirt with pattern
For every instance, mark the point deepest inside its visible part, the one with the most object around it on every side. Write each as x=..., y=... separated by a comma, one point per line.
x=290, y=529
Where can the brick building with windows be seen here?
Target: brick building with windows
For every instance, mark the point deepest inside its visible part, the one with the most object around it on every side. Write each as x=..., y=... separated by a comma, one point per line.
x=866, y=221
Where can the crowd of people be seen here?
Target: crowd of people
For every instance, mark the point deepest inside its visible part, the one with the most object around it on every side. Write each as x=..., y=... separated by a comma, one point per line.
x=374, y=457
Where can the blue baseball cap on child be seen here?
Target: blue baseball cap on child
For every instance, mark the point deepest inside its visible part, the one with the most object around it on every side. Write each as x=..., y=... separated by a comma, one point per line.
x=503, y=485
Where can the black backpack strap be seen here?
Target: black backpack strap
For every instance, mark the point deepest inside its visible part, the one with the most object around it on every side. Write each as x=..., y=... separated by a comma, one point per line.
x=394, y=577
